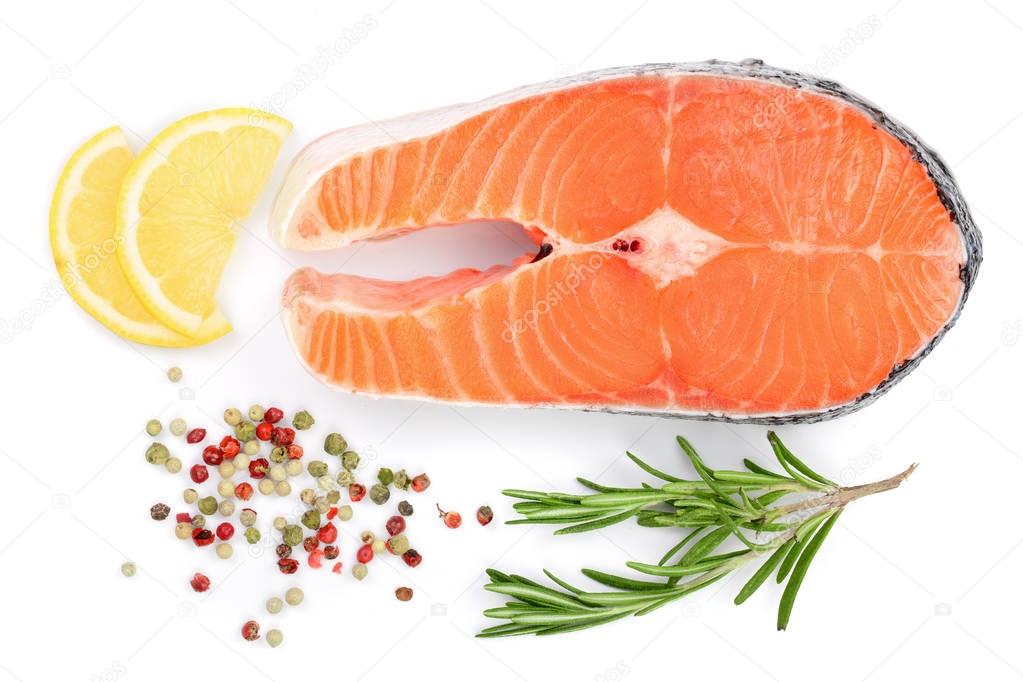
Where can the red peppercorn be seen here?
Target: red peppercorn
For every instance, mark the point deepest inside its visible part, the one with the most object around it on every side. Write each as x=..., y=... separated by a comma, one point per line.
x=336, y=568
x=273, y=415
x=395, y=525
x=316, y=558
x=635, y=245
x=250, y=631
x=295, y=451
x=212, y=455
x=199, y=473
x=327, y=533
x=258, y=467
x=420, y=483
x=331, y=552
x=356, y=491
x=451, y=519
x=199, y=582
x=283, y=550
x=202, y=536
x=183, y=517
x=403, y=593
x=243, y=491
x=282, y=436
x=484, y=515
x=365, y=554
x=310, y=543
x=620, y=245
x=331, y=513
x=230, y=446
x=195, y=436
x=264, y=430
x=412, y=558
x=225, y=531
x=287, y=566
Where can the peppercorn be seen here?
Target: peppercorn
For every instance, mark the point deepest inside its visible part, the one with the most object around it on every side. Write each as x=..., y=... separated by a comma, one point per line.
x=251, y=447
x=294, y=596
x=283, y=551
x=280, y=523
x=311, y=519
x=159, y=511
x=321, y=505
x=379, y=546
x=225, y=551
x=412, y=558
x=451, y=519
x=190, y=495
x=316, y=468
x=364, y=554
x=403, y=593
x=398, y=544
x=359, y=571
x=344, y=513
x=405, y=508
x=232, y=417
x=199, y=521
x=241, y=461
x=293, y=535
x=250, y=630
x=202, y=537
x=282, y=436
x=128, y=569
x=310, y=543
x=327, y=533
x=175, y=374
x=287, y=566
x=154, y=427
x=196, y=436
x=302, y=420
x=199, y=582
x=336, y=568
x=264, y=430
x=258, y=467
x=226, y=469
x=401, y=479
x=198, y=473
x=247, y=517
x=333, y=496
x=345, y=477
x=266, y=486
x=252, y=535
x=420, y=483
x=295, y=451
x=484, y=515
x=177, y=426
x=273, y=415
x=226, y=507
x=283, y=489
x=293, y=467
x=278, y=454
x=274, y=605
x=335, y=444
x=157, y=453
x=379, y=493
x=395, y=525
x=225, y=531
x=356, y=492
x=331, y=552
x=274, y=638
x=315, y=559
x=173, y=465
x=245, y=431
x=350, y=460
x=225, y=488
x=277, y=473
x=183, y=530
x=256, y=413
x=385, y=476
x=208, y=505
x=367, y=537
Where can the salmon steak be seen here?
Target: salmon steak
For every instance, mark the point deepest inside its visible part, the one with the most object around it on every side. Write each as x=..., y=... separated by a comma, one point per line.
x=716, y=240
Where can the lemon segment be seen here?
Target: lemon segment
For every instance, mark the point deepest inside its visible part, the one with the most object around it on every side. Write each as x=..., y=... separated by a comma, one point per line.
x=181, y=204
x=82, y=238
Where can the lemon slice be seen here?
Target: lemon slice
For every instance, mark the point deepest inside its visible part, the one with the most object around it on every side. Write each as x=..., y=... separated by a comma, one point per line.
x=82, y=218
x=181, y=203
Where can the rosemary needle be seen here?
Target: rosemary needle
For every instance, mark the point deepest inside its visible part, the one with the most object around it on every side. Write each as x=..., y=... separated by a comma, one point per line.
x=710, y=509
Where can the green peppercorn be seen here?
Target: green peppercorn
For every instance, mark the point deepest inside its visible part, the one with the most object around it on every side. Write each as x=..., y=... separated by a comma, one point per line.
x=157, y=453
x=350, y=459
x=175, y=374
x=311, y=519
x=398, y=544
x=345, y=478
x=247, y=517
x=359, y=571
x=208, y=505
x=274, y=637
x=292, y=535
x=232, y=417
x=245, y=431
x=405, y=508
x=302, y=420
x=256, y=413
x=251, y=447
x=278, y=454
x=177, y=426
x=333, y=497
x=274, y=605
x=335, y=444
x=344, y=512
x=385, y=476
x=326, y=483
x=294, y=596
x=252, y=535
x=379, y=493
x=401, y=480
x=128, y=569
x=154, y=427
x=173, y=465
x=317, y=468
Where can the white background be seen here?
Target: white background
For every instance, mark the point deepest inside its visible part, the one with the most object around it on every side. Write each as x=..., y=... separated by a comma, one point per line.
x=922, y=582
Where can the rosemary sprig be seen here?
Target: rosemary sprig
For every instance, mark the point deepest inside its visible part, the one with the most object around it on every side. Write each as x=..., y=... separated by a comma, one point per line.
x=715, y=506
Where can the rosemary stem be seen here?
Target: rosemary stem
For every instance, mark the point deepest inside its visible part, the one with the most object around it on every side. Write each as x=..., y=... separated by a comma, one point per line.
x=843, y=496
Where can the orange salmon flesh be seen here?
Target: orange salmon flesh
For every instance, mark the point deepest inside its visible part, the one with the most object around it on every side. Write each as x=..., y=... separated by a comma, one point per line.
x=715, y=240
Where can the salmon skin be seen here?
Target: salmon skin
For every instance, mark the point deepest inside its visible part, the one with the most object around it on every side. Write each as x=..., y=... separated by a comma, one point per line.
x=726, y=241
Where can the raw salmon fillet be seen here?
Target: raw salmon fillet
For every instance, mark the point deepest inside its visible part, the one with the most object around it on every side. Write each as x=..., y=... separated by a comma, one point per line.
x=716, y=240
